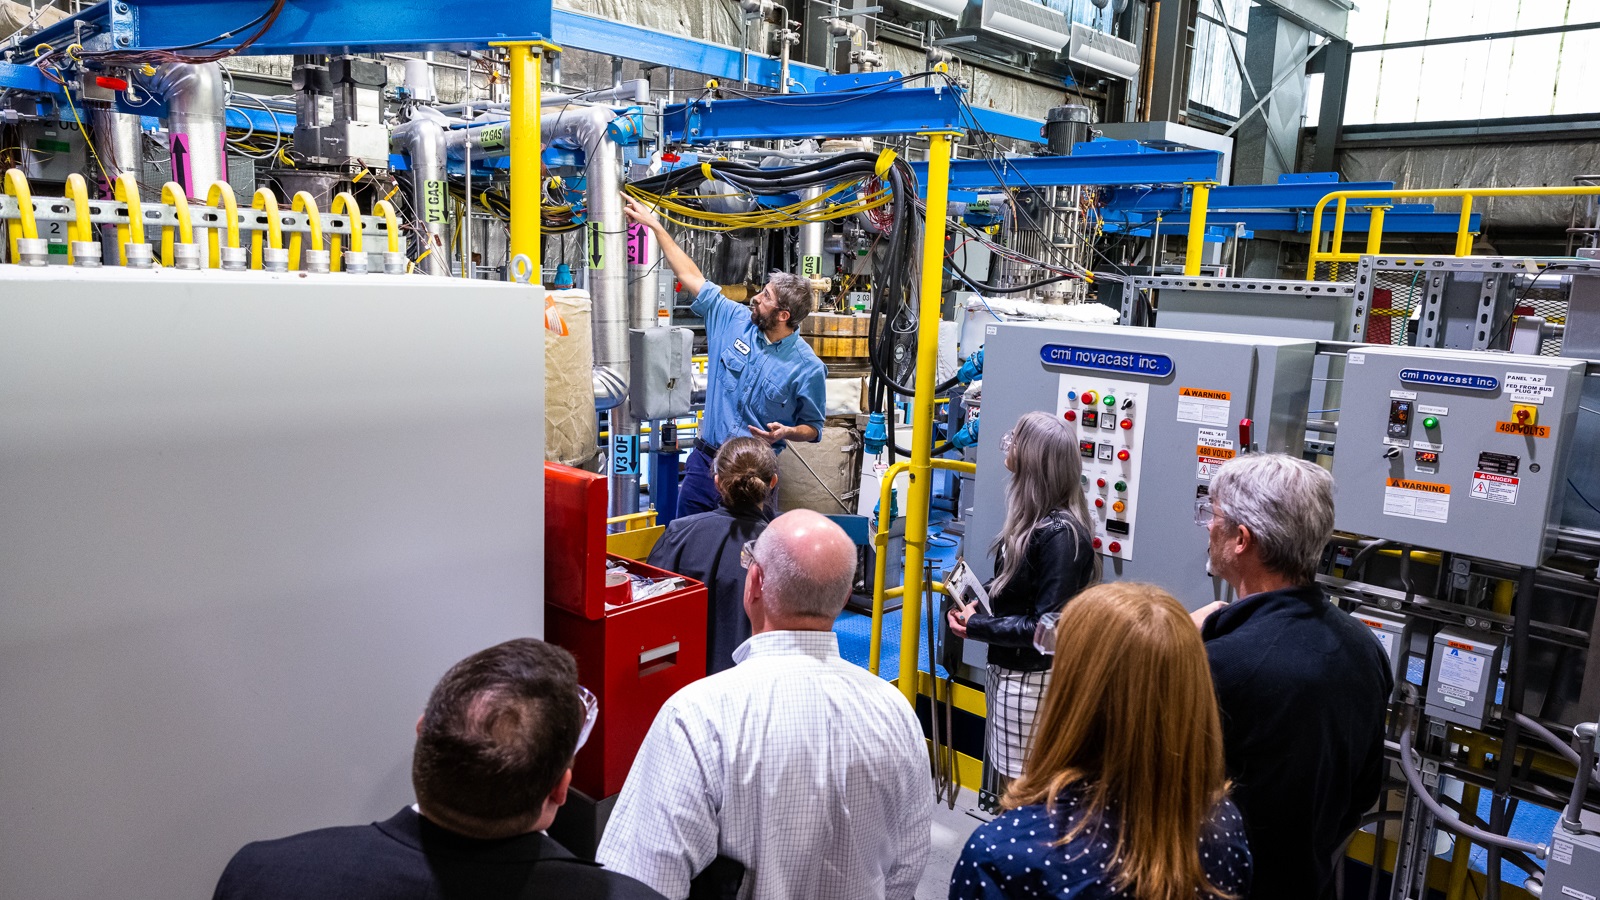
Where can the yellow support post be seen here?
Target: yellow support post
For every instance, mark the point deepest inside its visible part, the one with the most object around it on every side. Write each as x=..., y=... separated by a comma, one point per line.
x=1464, y=228
x=1375, y=229
x=881, y=545
x=919, y=493
x=1199, y=199
x=526, y=144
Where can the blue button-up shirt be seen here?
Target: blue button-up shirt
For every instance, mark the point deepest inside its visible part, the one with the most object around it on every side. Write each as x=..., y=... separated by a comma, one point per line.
x=750, y=380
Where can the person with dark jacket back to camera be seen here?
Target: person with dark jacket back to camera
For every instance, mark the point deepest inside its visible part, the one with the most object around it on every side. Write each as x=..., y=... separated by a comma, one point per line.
x=707, y=546
x=1043, y=556
x=1124, y=793
x=491, y=766
x=1303, y=688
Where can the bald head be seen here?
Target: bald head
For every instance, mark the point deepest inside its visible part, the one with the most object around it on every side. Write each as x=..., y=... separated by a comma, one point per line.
x=808, y=565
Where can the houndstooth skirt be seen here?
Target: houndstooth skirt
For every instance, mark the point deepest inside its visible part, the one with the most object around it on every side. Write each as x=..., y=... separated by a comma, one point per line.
x=1013, y=699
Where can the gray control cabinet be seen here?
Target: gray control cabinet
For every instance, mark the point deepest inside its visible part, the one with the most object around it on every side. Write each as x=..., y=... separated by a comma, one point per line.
x=1456, y=450
x=246, y=522
x=1178, y=399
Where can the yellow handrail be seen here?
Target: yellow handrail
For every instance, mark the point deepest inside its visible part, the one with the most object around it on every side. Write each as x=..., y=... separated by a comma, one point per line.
x=16, y=185
x=173, y=194
x=391, y=224
x=126, y=191
x=266, y=202
x=79, y=228
x=880, y=543
x=1335, y=254
x=221, y=190
x=345, y=201
x=304, y=202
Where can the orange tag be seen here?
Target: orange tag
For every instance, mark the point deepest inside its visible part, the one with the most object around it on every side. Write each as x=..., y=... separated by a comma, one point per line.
x=552, y=317
x=1213, y=452
x=1538, y=431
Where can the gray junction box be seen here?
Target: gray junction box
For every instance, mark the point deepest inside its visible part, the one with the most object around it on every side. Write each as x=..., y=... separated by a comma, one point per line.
x=1456, y=450
x=1464, y=676
x=1177, y=399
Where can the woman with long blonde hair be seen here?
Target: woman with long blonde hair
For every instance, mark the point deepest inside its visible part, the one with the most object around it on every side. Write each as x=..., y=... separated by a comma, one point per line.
x=1124, y=792
x=1043, y=555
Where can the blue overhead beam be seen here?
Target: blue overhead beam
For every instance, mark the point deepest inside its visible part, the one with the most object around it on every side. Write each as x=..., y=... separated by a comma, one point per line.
x=887, y=110
x=1143, y=167
x=576, y=31
x=26, y=78
x=1245, y=196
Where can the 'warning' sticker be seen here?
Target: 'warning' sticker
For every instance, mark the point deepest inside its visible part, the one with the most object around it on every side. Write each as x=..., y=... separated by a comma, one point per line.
x=1494, y=488
x=1203, y=407
x=1416, y=500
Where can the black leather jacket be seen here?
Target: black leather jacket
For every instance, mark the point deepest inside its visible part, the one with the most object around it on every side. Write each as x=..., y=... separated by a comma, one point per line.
x=1059, y=564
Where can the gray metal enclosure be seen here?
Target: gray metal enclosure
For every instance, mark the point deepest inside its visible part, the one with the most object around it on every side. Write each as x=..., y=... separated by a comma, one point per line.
x=246, y=522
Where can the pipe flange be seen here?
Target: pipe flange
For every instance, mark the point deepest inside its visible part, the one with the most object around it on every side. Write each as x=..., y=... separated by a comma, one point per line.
x=139, y=256
x=395, y=263
x=317, y=261
x=32, y=252
x=186, y=256
x=274, y=259
x=234, y=259
x=355, y=262
x=86, y=254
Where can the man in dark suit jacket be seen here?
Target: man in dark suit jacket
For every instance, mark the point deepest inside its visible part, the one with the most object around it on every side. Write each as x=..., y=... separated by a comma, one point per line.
x=1302, y=687
x=492, y=764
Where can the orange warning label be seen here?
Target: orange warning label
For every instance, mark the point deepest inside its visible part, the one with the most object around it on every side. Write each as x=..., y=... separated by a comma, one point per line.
x=1205, y=394
x=1205, y=452
x=1538, y=431
x=1461, y=646
x=1426, y=486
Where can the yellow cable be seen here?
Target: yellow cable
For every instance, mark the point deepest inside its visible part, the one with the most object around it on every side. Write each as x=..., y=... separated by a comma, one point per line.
x=126, y=190
x=304, y=202
x=220, y=190
x=265, y=201
x=172, y=194
x=78, y=229
x=391, y=224
x=342, y=203
x=17, y=186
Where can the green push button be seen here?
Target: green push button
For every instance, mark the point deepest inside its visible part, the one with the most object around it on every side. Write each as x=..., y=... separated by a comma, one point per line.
x=1121, y=485
x=1110, y=400
x=1430, y=422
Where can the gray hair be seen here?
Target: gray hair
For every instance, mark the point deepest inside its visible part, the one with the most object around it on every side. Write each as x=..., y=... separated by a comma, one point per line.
x=1047, y=476
x=1287, y=504
x=792, y=294
x=793, y=587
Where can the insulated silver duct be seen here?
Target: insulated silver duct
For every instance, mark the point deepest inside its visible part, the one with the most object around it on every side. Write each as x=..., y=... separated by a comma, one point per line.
x=196, y=125
x=422, y=140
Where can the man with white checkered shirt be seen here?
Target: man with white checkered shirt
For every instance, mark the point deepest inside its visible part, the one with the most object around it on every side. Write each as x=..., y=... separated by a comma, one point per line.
x=809, y=771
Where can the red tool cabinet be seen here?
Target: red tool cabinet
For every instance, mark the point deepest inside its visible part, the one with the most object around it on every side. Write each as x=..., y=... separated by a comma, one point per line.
x=632, y=654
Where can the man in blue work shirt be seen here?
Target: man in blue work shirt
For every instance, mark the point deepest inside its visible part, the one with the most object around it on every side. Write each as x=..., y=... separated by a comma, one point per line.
x=761, y=378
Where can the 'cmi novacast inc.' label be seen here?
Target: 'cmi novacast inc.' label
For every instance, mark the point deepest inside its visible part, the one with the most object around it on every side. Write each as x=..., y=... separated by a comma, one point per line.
x=1463, y=380
x=1153, y=364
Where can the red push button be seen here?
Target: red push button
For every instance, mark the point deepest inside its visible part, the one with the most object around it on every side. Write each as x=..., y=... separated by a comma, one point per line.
x=1099, y=503
x=1070, y=415
x=1099, y=482
x=1097, y=543
x=1127, y=424
x=1115, y=547
x=1088, y=397
x=1124, y=455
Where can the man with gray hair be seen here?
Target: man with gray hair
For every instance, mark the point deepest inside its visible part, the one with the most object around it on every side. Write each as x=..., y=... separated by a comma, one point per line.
x=1302, y=687
x=806, y=770
x=761, y=378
